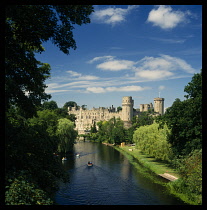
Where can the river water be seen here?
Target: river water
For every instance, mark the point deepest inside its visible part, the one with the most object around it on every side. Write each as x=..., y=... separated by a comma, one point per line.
x=112, y=180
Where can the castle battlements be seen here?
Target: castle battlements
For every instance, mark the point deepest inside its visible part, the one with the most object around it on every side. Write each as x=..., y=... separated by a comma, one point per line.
x=85, y=118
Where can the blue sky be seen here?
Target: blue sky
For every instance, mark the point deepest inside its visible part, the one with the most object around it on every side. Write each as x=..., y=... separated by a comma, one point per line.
x=128, y=50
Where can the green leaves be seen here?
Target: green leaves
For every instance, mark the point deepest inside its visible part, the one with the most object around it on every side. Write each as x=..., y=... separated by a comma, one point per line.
x=66, y=135
x=153, y=141
x=111, y=131
x=21, y=191
x=185, y=119
x=27, y=27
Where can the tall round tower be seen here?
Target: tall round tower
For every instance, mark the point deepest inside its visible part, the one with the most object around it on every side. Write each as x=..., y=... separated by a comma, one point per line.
x=159, y=105
x=127, y=110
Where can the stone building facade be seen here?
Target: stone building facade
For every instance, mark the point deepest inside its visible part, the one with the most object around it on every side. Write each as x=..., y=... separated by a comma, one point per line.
x=86, y=118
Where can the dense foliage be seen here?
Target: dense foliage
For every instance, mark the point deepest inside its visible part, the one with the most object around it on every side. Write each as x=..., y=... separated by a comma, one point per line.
x=30, y=145
x=190, y=183
x=32, y=169
x=111, y=131
x=184, y=118
x=66, y=135
x=26, y=28
x=153, y=141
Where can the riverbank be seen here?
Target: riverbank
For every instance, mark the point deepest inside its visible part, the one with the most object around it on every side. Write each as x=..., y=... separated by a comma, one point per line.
x=151, y=168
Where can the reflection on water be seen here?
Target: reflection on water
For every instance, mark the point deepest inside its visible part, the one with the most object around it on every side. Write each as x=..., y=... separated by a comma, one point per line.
x=112, y=180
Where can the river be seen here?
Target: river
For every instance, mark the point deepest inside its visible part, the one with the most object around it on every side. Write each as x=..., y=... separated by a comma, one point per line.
x=112, y=180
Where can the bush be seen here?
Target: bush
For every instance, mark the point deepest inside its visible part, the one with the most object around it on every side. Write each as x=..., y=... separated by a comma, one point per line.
x=21, y=191
x=190, y=183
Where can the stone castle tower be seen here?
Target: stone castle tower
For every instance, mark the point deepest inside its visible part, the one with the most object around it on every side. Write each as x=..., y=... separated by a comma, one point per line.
x=159, y=105
x=127, y=110
x=86, y=118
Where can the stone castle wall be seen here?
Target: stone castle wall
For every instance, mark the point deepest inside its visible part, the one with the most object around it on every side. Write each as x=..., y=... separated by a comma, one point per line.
x=86, y=118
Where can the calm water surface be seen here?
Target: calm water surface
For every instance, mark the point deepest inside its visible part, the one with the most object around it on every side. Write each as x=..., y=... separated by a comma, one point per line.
x=112, y=180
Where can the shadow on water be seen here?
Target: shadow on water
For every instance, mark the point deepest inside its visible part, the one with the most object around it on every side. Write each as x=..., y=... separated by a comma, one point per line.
x=112, y=180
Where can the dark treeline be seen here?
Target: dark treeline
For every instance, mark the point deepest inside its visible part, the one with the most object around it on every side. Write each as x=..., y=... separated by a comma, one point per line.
x=36, y=131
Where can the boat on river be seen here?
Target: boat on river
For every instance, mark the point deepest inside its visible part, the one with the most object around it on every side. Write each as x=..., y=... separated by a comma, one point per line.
x=64, y=158
x=78, y=155
x=90, y=163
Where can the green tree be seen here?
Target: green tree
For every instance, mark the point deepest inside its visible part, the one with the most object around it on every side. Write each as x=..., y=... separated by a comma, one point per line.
x=22, y=191
x=143, y=118
x=27, y=27
x=70, y=104
x=30, y=145
x=51, y=105
x=184, y=118
x=111, y=131
x=93, y=128
x=66, y=135
x=153, y=141
x=119, y=108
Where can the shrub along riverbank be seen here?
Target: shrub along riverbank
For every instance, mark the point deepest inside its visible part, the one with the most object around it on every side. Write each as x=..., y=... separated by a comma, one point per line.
x=150, y=167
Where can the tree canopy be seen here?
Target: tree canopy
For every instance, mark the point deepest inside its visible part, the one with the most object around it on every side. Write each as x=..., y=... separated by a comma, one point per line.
x=33, y=137
x=66, y=134
x=184, y=118
x=51, y=105
x=27, y=27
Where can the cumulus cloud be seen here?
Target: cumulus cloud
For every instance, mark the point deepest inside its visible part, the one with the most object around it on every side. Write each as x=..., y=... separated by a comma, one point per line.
x=111, y=64
x=150, y=68
x=112, y=15
x=116, y=89
x=116, y=65
x=162, y=67
x=166, y=18
x=154, y=74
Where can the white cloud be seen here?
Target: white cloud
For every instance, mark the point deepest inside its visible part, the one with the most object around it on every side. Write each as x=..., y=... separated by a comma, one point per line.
x=155, y=63
x=147, y=69
x=178, y=63
x=112, y=64
x=48, y=91
x=166, y=18
x=87, y=77
x=81, y=77
x=161, y=67
x=116, y=89
x=107, y=57
x=154, y=74
x=95, y=89
x=116, y=65
x=112, y=15
x=73, y=73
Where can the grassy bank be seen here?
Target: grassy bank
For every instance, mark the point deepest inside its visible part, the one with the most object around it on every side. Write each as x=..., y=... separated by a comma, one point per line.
x=158, y=167
x=150, y=167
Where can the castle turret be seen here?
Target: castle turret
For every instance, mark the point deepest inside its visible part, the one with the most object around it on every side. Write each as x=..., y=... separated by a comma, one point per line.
x=127, y=110
x=159, y=105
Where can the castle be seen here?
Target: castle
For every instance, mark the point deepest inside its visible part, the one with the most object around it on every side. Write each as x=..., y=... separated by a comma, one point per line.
x=86, y=118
